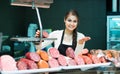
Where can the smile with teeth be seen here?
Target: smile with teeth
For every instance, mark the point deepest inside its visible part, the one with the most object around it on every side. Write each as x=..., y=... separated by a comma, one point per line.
x=70, y=26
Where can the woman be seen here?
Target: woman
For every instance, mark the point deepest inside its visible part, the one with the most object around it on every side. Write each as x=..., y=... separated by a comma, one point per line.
x=69, y=37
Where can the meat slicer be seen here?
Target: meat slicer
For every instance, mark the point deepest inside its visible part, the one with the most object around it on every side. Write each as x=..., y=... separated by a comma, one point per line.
x=35, y=4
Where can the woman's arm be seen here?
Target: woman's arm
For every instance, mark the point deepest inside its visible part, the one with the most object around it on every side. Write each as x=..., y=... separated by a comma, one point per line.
x=45, y=43
x=81, y=43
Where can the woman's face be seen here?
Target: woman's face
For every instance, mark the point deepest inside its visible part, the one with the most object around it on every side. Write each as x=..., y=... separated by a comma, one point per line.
x=71, y=22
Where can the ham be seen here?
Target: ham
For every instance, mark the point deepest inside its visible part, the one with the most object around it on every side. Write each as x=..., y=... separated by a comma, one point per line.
x=8, y=63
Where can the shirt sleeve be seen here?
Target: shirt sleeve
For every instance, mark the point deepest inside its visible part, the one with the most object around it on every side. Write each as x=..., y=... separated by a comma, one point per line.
x=45, y=43
x=79, y=47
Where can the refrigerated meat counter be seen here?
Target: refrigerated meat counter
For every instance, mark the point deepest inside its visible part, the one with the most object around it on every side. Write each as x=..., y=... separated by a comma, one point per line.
x=102, y=68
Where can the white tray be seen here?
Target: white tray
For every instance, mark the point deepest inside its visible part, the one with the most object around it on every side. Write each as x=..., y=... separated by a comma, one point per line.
x=32, y=71
x=81, y=67
x=86, y=67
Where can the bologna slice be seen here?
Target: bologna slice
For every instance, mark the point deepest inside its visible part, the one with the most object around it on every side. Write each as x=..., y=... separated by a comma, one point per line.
x=71, y=62
x=95, y=59
x=79, y=60
x=8, y=63
x=33, y=56
x=53, y=52
x=30, y=64
x=87, y=59
x=53, y=62
x=70, y=52
x=62, y=60
x=21, y=65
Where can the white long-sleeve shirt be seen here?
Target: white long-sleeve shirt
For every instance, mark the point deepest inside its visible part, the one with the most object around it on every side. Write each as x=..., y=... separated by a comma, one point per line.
x=58, y=34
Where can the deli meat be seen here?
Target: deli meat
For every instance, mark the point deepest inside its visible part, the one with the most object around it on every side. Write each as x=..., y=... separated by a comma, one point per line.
x=79, y=60
x=30, y=64
x=87, y=59
x=0, y=64
x=62, y=60
x=53, y=52
x=43, y=64
x=95, y=59
x=43, y=54
x=70, y=52
x=85, y=51
x=8, y=63
x=33, y=56
x=45, y=34
x=71, y=62
x=53, y=62
x=21, y=65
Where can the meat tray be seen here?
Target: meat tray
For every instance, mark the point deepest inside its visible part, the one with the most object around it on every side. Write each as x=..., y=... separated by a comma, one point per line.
x=81, y=67
x=86, y=67
x=32, y=71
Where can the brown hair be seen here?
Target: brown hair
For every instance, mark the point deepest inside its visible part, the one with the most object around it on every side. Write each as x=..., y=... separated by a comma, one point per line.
x=75, y=13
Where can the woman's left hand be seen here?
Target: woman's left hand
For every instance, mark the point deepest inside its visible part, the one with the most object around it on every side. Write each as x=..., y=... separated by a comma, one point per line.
x=81, y=41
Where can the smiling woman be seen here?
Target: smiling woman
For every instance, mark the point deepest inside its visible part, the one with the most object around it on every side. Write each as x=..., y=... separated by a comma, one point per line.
x=69, y=37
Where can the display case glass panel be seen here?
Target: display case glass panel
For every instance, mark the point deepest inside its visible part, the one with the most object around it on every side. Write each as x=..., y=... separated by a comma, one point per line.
x=113, y=32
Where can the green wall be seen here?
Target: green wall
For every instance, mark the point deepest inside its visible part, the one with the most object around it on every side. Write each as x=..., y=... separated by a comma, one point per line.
x=15, y=20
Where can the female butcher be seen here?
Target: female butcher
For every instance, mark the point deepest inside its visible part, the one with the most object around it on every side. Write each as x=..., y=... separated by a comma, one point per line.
x=69, y=37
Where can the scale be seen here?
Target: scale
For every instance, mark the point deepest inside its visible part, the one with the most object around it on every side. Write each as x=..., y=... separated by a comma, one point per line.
x=35, y=4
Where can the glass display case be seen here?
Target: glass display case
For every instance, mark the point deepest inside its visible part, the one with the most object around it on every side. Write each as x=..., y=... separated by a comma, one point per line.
x=113, y=32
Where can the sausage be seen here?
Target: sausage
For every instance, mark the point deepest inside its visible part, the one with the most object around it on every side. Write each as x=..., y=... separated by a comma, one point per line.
x=95, y=59
x=0, y=64
x=87, y=59
x=32, y=56
x=70, y=52
x=62, y=60
x=45, y=34
x=21, y=65
x=43, y=64
x=71, y=62
x=79, y=60
x=8, y=63
x=53, y=62
x=53, y=52
x=43, y=54
x=85, y=51
x=102, y=59
x=30, y=64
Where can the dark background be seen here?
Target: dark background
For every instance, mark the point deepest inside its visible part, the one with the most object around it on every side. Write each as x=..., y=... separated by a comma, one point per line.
x=14, y=20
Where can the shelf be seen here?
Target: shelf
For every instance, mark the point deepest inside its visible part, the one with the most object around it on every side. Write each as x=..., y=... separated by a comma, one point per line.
x=114, y=40
x=115, y=29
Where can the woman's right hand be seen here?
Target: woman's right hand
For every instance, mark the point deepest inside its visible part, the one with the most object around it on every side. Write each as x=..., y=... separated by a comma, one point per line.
x=37, y=33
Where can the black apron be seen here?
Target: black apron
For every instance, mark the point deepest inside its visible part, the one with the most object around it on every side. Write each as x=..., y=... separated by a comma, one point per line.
x=62, y=47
